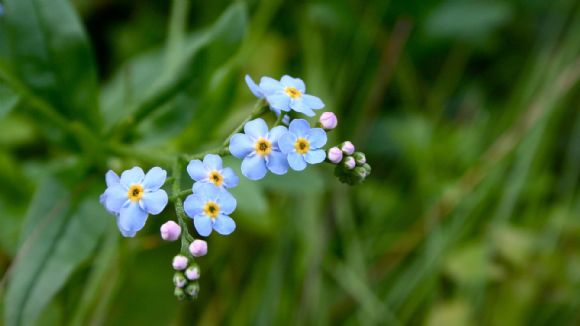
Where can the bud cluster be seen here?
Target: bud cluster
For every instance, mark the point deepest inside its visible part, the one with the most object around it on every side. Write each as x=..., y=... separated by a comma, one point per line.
x=185, y=278
x=351, y=167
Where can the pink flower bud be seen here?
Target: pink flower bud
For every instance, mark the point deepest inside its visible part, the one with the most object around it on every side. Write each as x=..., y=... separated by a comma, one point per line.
x=170, y=231
x=192, y=273
x=328, y=120
x=179, y=262
x=198, y=248
x=349, y=162
x=347, y=148
x=335, y=155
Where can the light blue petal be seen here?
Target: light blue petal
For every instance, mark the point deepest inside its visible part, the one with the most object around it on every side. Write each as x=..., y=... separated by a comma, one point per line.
x=299, y=105
x=203, y=225
x=196, y=170
x=230, y=178
x=132, y=176
x=254, y=167
x=224, y=225
x=125, y=233
x=154, y=179
x=256, y=128
x=154, y=202
x=193, y=205
x=111, y=178
x=277, y=163
x=279, y=101
x=312, y=102
x=317, y=138
x=256, y=90
x=132, y=218
x=115, y=197
x=241, y=145
x=299, y=127
x=212, y=162
x=276, y=133
x=227, y=202
x=296, y=161
x=286, y=142
x=269, y=85
x=293, y=82
x=315, y=156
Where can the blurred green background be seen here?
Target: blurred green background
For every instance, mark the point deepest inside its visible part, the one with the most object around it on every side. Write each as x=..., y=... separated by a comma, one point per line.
x=468, y=112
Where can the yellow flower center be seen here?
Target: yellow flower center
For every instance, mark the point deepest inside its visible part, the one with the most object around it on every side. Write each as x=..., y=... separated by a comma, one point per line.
x=292, y=92
x=135, y=192
x=263, y=146
x=302, y=145
x=211, y=209
x=216, y=178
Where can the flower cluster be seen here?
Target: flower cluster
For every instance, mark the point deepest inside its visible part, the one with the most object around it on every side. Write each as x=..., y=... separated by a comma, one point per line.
x=290, y=143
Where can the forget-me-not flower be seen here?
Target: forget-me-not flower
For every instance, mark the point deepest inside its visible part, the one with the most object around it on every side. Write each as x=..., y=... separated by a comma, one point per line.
x=211, y=171
x=289, y=94
x=134, y=196
x=254, y=88
x=210, y=207
x=258, y=146
x=302, y=144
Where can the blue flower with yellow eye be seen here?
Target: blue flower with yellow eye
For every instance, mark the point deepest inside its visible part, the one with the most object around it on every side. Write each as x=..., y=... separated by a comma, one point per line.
x=302, y=144
x=211, y=171
x=210, y=207
x=289, y=94
x=133, y=196
x=258, y=147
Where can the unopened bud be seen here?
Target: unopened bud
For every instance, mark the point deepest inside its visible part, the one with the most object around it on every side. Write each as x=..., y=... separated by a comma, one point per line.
x=170, y=231
x=349, y=162
x=179, y=262
x=192, y=289
x=367, y=167
x=335, y=155
x=192, y=273
x=328, y=120
x=347, y=147
x=179, y=293
x=198, y=248
x=360, y=158
x=360, y=172
x=179, y=280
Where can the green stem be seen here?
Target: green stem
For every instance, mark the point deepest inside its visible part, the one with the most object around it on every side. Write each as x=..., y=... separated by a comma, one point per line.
x=186, y=238
x=181, y=194
x=260, y=109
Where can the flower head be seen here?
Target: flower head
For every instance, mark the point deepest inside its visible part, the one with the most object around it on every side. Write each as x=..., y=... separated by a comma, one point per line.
x=289, y=94
x=210, y=207
x=254, y=88
x=211, y=171
x=134, y=196
x=258, y=146
x=302, y=144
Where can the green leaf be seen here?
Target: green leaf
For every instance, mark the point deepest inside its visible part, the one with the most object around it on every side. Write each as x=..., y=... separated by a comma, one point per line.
x=48, y=51
x=8, y=100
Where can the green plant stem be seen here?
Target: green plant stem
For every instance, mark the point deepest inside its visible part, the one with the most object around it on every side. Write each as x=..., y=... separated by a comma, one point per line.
x=186, y=238
x=181, y=194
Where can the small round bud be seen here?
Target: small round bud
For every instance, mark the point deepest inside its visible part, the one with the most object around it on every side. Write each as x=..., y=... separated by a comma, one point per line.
x=335, y=155
x=179, y=293
x=179, y=262
x=328, y=120
x=360, y=158
x=179, y=280
x=192, y=273
x=192, y=290
x=347, y=147
x=349, y=162
x=198, y=248
x=367, y=167
x=170, y=231
x=360, y=172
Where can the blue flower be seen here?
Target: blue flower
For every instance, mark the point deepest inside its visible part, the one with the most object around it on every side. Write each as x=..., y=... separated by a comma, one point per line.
x=210, y=207
x=254, y=88
x=289, y=94
x=301, y=143
x=259, y=149
x=134, y=196
x=211, y=171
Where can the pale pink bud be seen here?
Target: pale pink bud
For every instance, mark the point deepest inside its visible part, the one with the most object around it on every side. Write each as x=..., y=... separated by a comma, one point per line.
x=349, y=162
x=179, y=262
x=347, y=148
x=335, y=155
x=170, y=231
x=192, y=273
x=198, y=248
x=328, y=120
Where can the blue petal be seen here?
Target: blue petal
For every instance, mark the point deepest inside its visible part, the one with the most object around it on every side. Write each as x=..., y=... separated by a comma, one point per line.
x=230, y=178
x=299, y=105
x=132, y=218
x=312, y=102
x=203, y=225
x=279, y=101
x=254, y=167
x=133, y=176
x=212, y=162
x=277, y=163
x=256, y=128
x=241, y=145
x=276, y=133
x=286, y=142
x=193, y=205
x=299, y=127
x=227, y=202
x=293, y=82
x=269, y=85
x=224, y=225
x=256, y=90
x=208, y=191
x=296, y=161
x=317, y=138
x=154, y=179
x=315, y=156
x=154, y=202
x=111, y=178
x=196, y=170
x=115, y=197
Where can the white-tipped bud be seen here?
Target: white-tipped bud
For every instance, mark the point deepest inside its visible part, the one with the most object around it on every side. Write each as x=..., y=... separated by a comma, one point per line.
x=179, y=262
x=335, y=155
x=192, y=290
x=349, y=162
x=347, y=147
x=192, y=273
x=198, y=248
x=170, y=231
x=179, y=280
x=360, y=158
x=328, y=120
